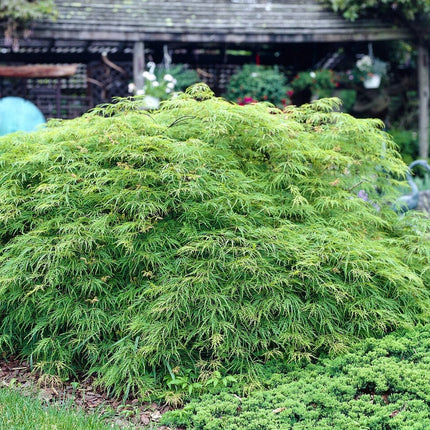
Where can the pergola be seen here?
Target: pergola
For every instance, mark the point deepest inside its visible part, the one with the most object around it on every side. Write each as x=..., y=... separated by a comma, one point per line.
x=131, y=27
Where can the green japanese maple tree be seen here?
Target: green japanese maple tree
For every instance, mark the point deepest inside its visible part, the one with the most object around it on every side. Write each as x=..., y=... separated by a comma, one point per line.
x=205, y=236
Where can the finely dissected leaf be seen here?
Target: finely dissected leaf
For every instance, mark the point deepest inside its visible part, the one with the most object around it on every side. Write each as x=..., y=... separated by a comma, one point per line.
x=202, y=232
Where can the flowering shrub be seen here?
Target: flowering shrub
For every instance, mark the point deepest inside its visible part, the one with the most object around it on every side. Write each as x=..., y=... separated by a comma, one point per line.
x=255, y=83
x=160, y=83
x=321, y=83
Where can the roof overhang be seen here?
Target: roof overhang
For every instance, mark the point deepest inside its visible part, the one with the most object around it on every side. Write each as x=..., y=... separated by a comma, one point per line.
x=227, y=37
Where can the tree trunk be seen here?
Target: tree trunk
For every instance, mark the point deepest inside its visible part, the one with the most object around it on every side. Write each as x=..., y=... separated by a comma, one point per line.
x=423, y=91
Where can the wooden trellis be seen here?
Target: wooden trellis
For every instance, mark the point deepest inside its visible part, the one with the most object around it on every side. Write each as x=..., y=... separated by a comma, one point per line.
x=56, y=97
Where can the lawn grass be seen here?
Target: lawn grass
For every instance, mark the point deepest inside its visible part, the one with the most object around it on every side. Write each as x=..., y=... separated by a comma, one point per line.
x=20, y=412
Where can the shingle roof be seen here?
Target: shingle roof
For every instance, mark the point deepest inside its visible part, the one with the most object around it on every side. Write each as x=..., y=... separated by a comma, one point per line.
x=208, y=21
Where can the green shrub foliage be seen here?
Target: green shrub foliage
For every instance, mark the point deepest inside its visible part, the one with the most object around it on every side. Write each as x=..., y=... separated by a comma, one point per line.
x=254, y=83
x=383, y=384
x=205, y=234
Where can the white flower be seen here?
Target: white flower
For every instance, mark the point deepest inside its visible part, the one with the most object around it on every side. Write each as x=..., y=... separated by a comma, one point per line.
x=171, y=85
x=364, y=63
x=140, y=92
x=131, y=87
x=150, y=102
x=168, y=78
x=313, y=75
x=148, y=75
x=155, y=83
x=254, y=74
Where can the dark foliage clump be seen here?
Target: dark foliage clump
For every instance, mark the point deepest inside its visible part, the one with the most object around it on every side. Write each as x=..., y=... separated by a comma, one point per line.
x=204, y=236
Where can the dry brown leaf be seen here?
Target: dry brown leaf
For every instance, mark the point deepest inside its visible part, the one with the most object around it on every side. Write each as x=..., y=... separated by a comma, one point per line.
x=278, y=410
x=155, y=416
x=145, y=420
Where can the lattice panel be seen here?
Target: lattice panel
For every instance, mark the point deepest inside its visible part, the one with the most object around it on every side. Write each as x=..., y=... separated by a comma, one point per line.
x=58, y=105
x=78, y=80
x=56, y=98
x=75, y=95
x=217, y=76
x=106, y=82
x=13, y=87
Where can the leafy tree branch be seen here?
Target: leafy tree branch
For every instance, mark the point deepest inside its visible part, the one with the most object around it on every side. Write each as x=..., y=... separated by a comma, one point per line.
x=18, y=15
x=414, y=14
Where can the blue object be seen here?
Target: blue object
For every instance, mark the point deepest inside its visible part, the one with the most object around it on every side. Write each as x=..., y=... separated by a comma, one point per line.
x=17, y=114
x=410, y=201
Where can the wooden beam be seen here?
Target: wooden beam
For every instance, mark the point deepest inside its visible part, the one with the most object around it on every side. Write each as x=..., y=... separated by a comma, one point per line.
x=227, y=36
x=38, y=71
x=423, y=94
x=138, y=65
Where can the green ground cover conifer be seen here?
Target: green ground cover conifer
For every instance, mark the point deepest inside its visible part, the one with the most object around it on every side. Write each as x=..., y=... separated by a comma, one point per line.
x=382, y=384
x=204, y=236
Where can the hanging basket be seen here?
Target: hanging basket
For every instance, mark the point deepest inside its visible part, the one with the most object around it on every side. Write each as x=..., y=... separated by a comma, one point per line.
x=372, y=81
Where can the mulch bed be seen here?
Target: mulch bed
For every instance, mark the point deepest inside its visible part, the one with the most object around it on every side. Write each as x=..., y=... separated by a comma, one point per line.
x=82, y=394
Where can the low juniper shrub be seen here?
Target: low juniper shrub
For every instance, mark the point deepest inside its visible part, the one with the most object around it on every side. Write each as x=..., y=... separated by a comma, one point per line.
x=381, y=384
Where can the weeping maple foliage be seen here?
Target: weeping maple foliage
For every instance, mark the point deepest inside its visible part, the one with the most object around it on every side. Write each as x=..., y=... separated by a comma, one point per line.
x=204, y=235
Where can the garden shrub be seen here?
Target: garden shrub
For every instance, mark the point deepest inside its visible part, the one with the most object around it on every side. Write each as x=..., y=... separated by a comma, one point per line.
x=163, y=82
x=319, y=83
x=382, y=384
x=254, y=83
x=407, y=140
x=205, y=236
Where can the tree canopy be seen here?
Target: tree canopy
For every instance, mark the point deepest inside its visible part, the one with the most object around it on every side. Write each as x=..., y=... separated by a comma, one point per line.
x=18, y=15
x=412, y=13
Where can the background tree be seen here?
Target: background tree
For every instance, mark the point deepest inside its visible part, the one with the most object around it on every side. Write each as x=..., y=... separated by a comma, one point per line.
x=413, y=13
x=19, y=14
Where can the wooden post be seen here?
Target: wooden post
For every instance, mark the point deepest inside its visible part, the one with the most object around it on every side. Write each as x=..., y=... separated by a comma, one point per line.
x=58, y=98
x=138, y=65
x=423, y=93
